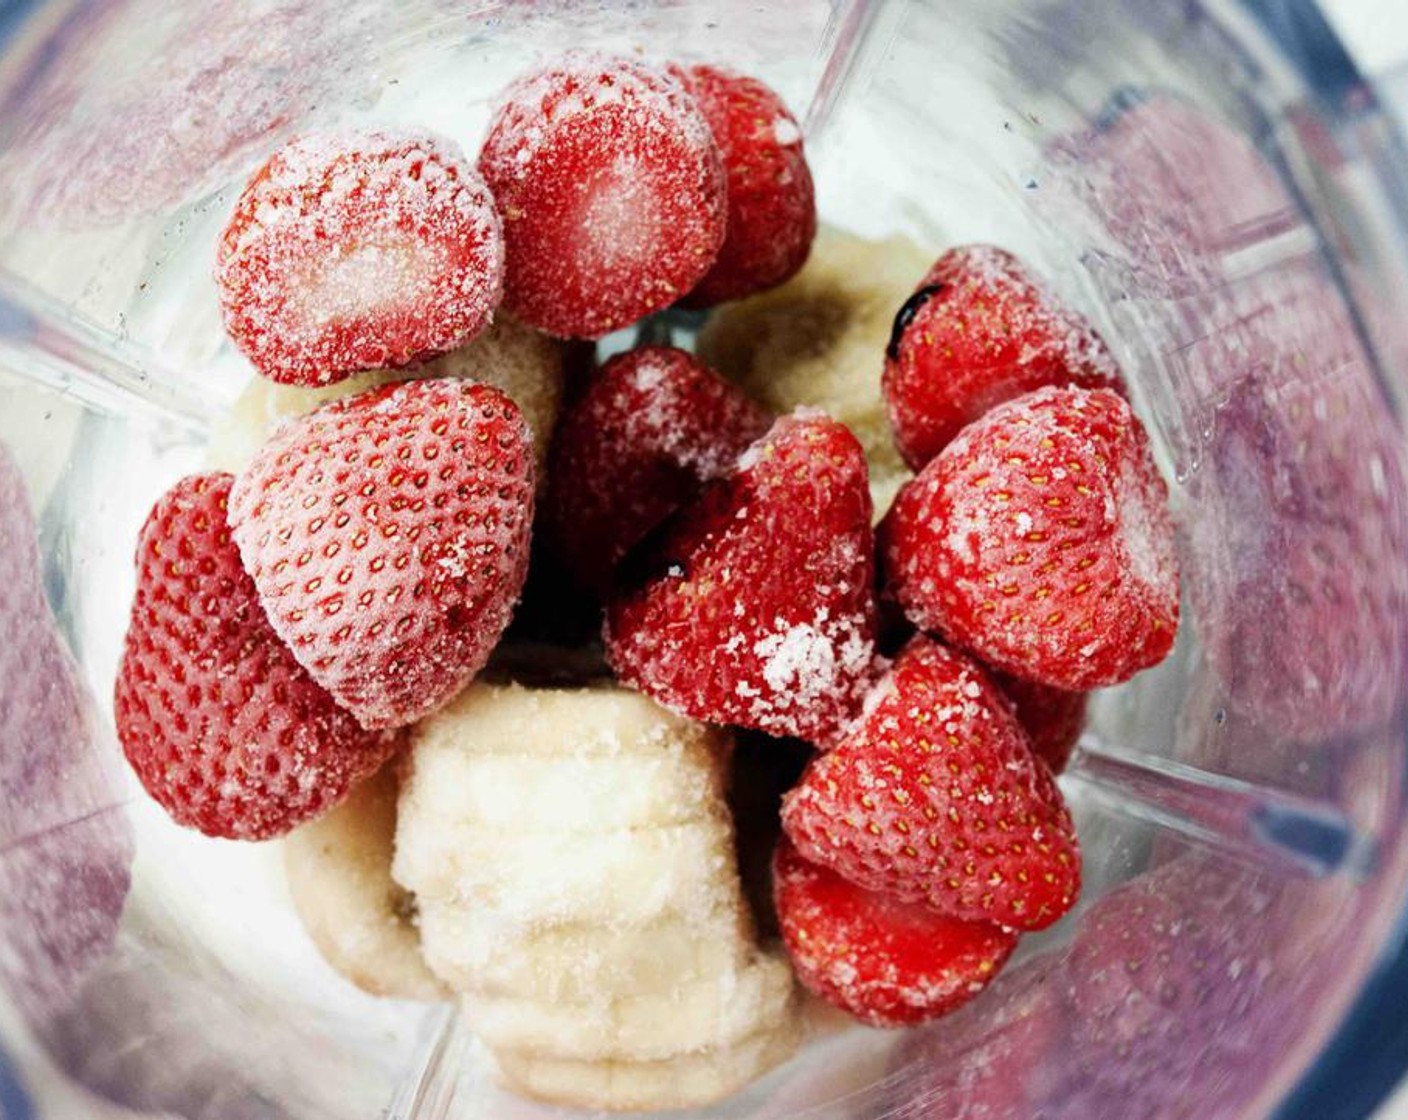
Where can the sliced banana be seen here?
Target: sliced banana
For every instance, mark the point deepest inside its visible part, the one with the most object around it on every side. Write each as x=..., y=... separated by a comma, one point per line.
x=577, y=963
x=339, y=874
x=525, y=364
x=681, y=1018
x=572, y=854
x=820, y=339
x=562, y=761
x=616, y=878
x=686, y=1081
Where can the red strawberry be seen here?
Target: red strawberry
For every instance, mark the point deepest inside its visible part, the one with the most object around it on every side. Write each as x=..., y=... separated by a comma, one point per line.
x=1052, y=717
x=755, y=605
x=889, y=963
x=980, y=330
x=651, y=428
x=388, y=536
x=1040, y=539
x=612, y=193
x=222, y=726
x=771, y=204
x=935, y=796
x=357, y=252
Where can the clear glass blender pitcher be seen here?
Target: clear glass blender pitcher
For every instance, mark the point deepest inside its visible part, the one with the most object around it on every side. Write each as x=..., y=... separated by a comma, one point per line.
x=1209, y=180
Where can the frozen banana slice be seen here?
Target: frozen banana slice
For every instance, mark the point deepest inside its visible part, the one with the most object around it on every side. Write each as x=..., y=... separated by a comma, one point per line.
x=820, y=339
x=573, y=857
x=560, y=760
x=339, y=874
x=525, y=364
x=577, y=963
x=680, y=1018
x=532, y=880
x=686, y=1081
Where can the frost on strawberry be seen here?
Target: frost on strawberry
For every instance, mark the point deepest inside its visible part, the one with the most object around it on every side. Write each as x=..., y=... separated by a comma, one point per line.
x=220, y=723
x=653, y=426
x=388, y=535
x=889, y=963
x=358, y=251
x=979, y=330
x=755, y=606
x=934, y=796
x=771, y=201
x=1041, y=540
x=611, y=189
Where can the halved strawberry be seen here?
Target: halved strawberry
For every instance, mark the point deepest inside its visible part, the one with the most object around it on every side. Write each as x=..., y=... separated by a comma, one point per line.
x=771, y=202
x=652, y=427
x=889, y=963
x=611, y=189
x=388, y=536
x=220, y=723
x=935, y=796
x=980, y=330
x=358, y=251
x=1040, y=539
x=755, y=605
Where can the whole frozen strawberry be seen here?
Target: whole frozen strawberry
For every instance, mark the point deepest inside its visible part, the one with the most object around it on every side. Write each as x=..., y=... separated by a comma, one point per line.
x=771, y=202
x=1040, y=539
x=651, y=428
x=358, y=251
x=388, y=535
x=611, y=190
x=935, y=796
x=754, y=605
x=1052, y=717
x=980, y=330
x=889, y=963
x=220, y=723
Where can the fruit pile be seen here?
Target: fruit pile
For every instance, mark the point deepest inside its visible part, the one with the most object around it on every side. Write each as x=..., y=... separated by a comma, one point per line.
x=321, y=645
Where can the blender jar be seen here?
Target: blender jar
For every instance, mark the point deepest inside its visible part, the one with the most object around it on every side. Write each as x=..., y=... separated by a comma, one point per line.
x=1209, y=180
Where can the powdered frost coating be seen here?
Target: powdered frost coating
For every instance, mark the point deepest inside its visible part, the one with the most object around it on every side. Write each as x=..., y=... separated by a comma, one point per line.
x=981, y=330
x=388, y=536
x=756, y=606
x=349, y=252
x=652, y=427
x=887, y=962
x=611, y=189
x=771, y=201
x=934, y=796
x=1085, y=598
x=220, y=723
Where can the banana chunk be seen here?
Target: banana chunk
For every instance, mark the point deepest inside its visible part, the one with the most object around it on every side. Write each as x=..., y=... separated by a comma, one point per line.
x=715, y=1011
x=574, y=964
x=339, y=874
x=572, y=854
x=820, y=339
x=525, y=364
x=687, y=1081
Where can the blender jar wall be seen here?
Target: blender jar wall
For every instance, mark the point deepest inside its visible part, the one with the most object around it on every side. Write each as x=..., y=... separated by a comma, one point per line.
x=1240, y=807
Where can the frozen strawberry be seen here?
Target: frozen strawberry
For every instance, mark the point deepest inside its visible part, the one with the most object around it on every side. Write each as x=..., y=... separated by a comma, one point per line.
x=889, y=963
x=611, y=189
x=755, y=605
x=1040, y=539
x=652, y=427
x=1052, y=717
x=771, y=203
x=980, y=330
x=222, y=726
x=935, y=796
x=360, y=251
x=388, y=535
